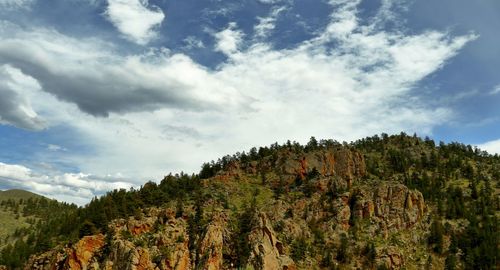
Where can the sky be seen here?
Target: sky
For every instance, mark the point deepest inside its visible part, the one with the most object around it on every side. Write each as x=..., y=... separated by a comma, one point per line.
x=103, y=94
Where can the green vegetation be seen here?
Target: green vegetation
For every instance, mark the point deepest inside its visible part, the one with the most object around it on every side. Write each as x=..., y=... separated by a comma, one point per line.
x=35, y=216
x=18, y=194
x=460, y=184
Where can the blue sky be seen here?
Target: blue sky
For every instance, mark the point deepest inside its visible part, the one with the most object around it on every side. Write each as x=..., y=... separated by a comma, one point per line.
x=104, y=94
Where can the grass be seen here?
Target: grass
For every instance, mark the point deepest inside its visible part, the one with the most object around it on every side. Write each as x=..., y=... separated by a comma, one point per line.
x=9, y=224
x=17, y=194
x=10, y=221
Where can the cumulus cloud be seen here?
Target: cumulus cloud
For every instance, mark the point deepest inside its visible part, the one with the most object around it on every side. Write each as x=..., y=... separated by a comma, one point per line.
x=165, y=112
x=136, y=19
x=99, y=82
x=75, y=188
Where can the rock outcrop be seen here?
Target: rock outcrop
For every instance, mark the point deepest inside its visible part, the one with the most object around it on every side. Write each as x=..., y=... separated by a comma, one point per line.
x=213, y=242
x=342, y=211
x=50, y=260
x=390, y=257
x=267, y=252
x=391, y=205
x=81, y=256
x=344, y=163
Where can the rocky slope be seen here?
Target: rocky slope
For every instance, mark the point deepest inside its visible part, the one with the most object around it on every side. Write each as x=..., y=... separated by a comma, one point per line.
x=388, y=202
x=326, y=199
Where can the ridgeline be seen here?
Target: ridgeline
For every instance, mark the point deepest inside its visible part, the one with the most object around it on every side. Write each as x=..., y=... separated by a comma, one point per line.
x=383, y=202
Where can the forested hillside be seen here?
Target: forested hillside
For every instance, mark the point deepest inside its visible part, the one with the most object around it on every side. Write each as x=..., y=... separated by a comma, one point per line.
x=380, y=202
x=11, y=217
x=25, y=221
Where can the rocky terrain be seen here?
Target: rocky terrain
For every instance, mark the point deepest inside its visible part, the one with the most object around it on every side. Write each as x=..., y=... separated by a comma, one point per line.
x=339, y=207
x=160, y=240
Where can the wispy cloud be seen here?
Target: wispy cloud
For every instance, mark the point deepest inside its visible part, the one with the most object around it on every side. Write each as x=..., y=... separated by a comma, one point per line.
x=16, y=4
x=55, y=148
x=191, y=42
x=267, y=24
x=496, y=90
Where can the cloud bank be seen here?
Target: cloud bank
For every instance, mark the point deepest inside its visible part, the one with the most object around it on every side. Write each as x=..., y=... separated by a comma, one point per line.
x=76, y=188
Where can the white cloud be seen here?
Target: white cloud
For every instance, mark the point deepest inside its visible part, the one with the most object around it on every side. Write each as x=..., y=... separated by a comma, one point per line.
x=15, y=107
x=267, y=24
x=15, y=4
x=270, y=1
x=228, y=40
x=136, y=19
x=165, y=112
x=55, y=148
x=66, y=67
x=75, y=188
x=191, y=42
x=492, y=147
x=495, y=90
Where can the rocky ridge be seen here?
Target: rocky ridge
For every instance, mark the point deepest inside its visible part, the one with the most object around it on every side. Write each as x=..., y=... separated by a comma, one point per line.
x=161, y=239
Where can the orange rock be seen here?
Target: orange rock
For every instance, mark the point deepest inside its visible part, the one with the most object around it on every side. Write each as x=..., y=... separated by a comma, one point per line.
x=267, y=251
x=140, y=229
x=368, y=209
x=80, y=255
x=213, y=242
x=144, y=260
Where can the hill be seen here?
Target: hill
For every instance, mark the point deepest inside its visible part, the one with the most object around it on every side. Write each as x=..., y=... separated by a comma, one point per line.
x=12, y=218
x=17, y=194
x=383, y=202
x=22, y=213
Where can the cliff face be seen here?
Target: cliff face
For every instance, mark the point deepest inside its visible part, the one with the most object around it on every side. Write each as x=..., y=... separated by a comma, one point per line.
x=338, y=203
x=344, y=163
x=391, y=206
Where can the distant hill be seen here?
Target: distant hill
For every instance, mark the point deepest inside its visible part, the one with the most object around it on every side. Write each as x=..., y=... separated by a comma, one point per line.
x=21, y=211
x=11, y=216
x=17, y=194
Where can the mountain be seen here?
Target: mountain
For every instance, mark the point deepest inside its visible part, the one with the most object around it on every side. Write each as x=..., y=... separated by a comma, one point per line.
x=383, y=202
